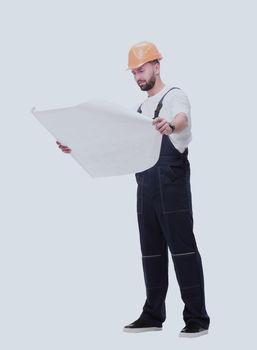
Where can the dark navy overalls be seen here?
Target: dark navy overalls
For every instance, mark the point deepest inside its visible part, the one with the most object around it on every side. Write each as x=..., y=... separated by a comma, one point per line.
x=165, y=221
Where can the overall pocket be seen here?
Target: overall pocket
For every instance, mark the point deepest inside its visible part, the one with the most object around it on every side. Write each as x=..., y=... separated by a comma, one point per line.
x=173, y=187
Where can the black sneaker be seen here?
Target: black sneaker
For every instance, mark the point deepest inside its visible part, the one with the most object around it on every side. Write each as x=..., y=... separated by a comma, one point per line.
x=193, y=330
x=141, y=326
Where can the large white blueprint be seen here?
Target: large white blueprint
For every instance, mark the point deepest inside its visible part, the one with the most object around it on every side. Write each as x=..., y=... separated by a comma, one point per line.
x=106, y=139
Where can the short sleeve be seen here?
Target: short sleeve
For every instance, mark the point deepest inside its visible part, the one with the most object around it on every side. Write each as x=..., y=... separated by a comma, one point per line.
x=179, y=102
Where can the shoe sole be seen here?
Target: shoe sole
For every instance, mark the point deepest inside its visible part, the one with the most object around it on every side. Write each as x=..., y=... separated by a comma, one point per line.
x=140, y=330
x=193, y=335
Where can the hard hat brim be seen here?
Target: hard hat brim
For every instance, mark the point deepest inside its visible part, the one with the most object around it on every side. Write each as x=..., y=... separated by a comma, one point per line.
x=141, y=64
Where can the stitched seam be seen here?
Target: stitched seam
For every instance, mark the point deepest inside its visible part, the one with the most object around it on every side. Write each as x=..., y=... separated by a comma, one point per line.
x=183, y=254
x=150, y=256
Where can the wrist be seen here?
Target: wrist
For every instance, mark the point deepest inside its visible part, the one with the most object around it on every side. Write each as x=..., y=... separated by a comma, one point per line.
x=172, y=126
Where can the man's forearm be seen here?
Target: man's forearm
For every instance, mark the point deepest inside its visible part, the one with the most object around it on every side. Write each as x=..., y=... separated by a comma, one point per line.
x=180, y=121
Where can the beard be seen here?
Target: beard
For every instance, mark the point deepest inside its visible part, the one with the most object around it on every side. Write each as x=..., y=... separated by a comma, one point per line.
x=148, y=85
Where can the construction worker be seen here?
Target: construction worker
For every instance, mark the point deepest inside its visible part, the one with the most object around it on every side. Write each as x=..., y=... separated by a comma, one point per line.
x=164, y=205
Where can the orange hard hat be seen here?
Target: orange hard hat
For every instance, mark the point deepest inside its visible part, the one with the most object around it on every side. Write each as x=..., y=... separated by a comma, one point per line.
x=142, y=53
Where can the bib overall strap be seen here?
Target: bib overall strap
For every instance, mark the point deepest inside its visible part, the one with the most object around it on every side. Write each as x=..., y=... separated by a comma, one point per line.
x=159, y=106
x=139, y=110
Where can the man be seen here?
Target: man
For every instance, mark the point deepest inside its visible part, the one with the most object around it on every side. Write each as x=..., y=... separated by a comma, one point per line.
x=164, y=207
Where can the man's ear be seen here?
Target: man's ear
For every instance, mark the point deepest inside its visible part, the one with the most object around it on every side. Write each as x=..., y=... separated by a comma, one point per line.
x=157, y=68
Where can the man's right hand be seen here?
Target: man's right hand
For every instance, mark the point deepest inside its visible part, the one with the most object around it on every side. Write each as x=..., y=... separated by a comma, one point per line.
x=65, y=149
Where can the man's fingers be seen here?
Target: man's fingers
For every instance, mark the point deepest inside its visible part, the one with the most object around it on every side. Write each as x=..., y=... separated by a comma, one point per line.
x=163, y=128
x=64, y=148
x=157, y=120
x=60, y=145
x=160, y=124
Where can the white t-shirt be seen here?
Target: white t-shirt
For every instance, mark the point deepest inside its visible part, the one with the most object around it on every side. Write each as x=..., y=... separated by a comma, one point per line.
x=174, y=102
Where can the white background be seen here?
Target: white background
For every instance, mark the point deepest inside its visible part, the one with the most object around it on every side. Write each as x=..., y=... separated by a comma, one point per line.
x=71, y=274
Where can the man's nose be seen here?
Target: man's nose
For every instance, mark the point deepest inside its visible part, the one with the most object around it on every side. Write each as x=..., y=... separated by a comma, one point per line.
x=138, y=78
